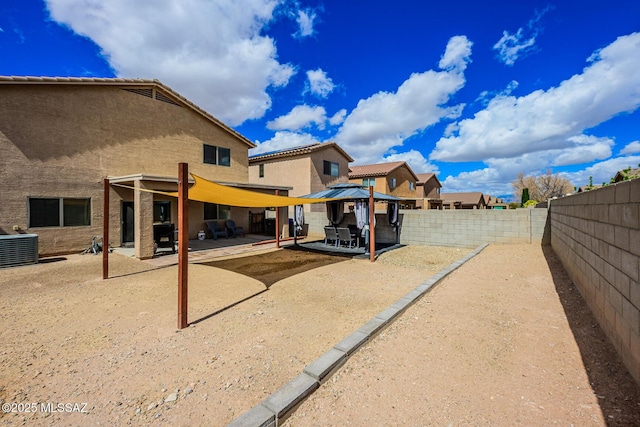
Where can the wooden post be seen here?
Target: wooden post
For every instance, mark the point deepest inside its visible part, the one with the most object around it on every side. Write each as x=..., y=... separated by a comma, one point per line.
x=372, y=226
x=183, y=243
x=105, y=229
x=277, y=223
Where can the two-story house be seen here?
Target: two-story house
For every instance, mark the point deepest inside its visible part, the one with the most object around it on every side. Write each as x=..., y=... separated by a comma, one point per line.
x=61, y=137
x=429, y=187
x=305, y=169
x=393, y=178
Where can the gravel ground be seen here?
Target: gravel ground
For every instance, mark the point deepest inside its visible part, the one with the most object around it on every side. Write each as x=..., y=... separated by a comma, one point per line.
x=493, y=344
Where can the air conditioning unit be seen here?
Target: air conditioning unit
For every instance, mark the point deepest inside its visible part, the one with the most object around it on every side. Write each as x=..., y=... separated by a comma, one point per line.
x=18, y=249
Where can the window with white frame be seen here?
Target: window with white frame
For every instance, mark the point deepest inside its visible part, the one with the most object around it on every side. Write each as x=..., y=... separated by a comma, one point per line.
x=412, y=185
x=368, y=182
x=392, y=183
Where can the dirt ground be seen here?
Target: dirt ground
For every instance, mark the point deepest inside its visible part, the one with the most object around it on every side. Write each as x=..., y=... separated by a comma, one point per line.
x=496, y=343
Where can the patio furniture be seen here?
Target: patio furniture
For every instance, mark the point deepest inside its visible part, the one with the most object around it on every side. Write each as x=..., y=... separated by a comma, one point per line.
x=216, y=230
x=235, y=230
x=330, y=233
x=345, y=235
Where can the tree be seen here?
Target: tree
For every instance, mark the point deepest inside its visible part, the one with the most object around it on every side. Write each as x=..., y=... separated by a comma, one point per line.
x=541, y=187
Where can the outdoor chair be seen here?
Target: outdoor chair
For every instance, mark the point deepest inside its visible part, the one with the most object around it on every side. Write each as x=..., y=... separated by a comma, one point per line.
x=216, y=230
x=235, y=230
x=330, y=234
x=344, y=236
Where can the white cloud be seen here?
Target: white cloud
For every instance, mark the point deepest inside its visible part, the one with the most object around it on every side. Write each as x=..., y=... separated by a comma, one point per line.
x=602, y=171
x=338, y=117
x=416, y=161
x=384, y=120
x=554, y=119
x=319, y=83
x=300, y=117
x=512, y=47
x=281, y=141
x=212, y=52
x=305, y=20
x=631, y=148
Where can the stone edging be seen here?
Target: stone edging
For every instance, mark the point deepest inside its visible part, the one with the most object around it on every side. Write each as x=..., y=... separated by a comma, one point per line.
x=283, y=401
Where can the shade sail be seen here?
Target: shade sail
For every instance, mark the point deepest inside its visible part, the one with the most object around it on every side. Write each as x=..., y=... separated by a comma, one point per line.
x=206, y=191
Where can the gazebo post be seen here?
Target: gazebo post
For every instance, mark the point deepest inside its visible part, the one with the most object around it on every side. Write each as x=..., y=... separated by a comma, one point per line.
x=183, y=244
x=372, y=226
x=105, y=229
x=277, y=223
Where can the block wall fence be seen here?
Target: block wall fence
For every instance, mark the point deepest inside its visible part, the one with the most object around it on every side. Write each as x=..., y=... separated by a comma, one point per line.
x=596, y=236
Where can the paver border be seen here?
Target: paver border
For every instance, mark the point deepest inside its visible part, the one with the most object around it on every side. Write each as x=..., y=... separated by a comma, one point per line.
x=283, y=402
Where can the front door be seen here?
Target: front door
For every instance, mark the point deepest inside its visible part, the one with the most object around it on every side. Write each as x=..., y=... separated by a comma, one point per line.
x=127, y=223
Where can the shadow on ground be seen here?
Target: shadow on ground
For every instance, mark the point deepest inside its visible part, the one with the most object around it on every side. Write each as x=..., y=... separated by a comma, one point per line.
x=617, y=392
x=272, y=267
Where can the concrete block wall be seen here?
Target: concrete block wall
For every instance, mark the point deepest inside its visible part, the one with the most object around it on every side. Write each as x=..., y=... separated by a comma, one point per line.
x=472, y=227
x=596, y=235
x=454, y=227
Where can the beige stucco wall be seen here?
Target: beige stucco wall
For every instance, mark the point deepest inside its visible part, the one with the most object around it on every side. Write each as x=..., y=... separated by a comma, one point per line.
x=61, y=141
x=303, y=173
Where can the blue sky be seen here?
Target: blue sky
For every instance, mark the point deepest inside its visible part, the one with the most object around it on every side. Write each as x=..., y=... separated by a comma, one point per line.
x=475, y=92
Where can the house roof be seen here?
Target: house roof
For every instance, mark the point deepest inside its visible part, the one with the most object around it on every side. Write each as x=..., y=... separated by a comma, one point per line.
x=625, y=174
x=170, y=95
x=297, y=151
x=472, y=198
x=424, y=177
x=378, y=169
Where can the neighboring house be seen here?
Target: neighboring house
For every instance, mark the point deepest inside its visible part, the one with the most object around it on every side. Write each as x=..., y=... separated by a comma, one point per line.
x=61, y=137
x=394, y=178
x=473, y=200
x=429, y=189
x=494, y=202
x=627, y=174
x=305, y=169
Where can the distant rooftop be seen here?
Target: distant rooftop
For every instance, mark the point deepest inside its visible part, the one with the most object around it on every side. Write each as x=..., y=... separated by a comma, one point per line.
x=299, y=150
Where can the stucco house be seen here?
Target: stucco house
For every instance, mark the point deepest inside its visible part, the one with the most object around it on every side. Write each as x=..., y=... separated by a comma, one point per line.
x=61, y=137
x=305, y=169
x=429, y=187
x=393, y=178
x=471, y=200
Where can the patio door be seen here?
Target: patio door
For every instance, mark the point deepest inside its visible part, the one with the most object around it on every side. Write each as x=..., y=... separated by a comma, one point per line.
x=127, y=224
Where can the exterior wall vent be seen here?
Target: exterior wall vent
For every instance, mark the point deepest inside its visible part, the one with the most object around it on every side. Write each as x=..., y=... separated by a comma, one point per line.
x=164, y=98
x=18, y=249
x=144, y=92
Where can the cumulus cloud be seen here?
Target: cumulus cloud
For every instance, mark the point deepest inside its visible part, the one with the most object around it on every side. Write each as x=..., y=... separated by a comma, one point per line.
x=301, y=116
x=383, y=121
x=281, y=141
x=305, y=19
x=602, y=171
x=319, y=84
x=415, y=160
x=338, y=117
x=212, y=52
x=553, y=119
x=631, y=148
x=512, y=47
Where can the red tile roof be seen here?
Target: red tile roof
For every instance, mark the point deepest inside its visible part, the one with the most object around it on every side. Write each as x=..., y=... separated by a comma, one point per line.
x=378, y=169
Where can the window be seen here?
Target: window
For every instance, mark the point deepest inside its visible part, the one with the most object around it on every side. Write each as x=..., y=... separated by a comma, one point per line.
x=412, y=185
x=368, y=182
x=331, y=168
x=59, y=212
x=261, y=171
x=215, y=211
x=392, y=183
x=213, y=155
x=161, y=211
